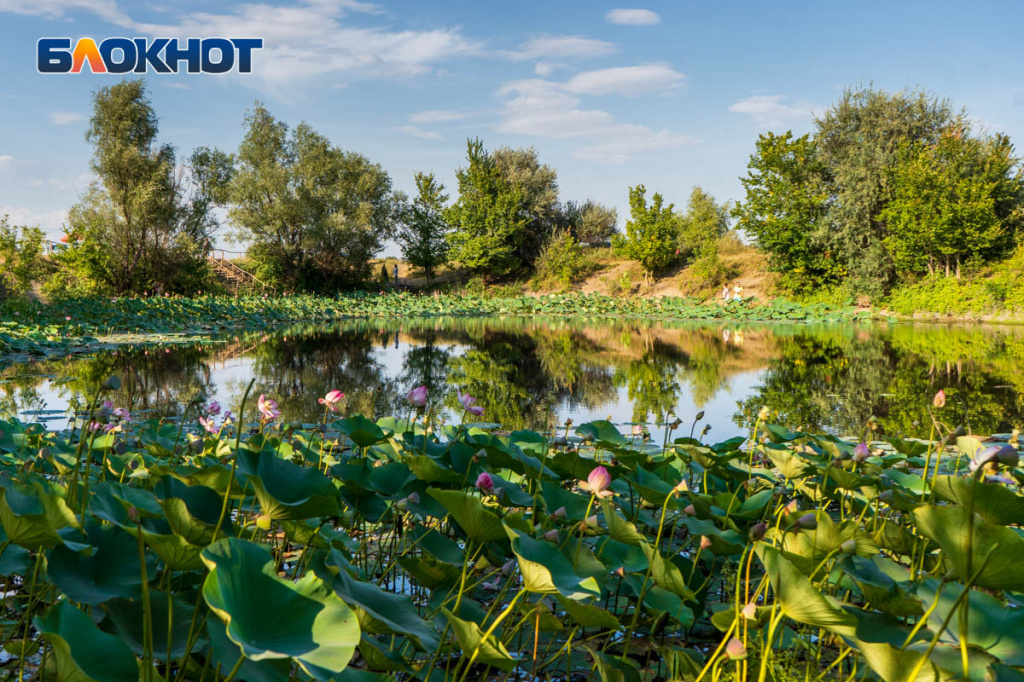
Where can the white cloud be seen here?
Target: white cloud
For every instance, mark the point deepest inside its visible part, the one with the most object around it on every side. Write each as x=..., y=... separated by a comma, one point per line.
x=50, y=221
x=6, y=161
x=561, y=47
x=438, y=116
x=770, y=110
x=303, y=39
x=544, y=69
x=626, y=80
x=416, y=131
x=63, y=118
x=633, y=17
x=544, y=109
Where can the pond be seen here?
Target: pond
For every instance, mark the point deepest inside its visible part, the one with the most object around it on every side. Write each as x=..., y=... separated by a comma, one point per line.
x=538, y=372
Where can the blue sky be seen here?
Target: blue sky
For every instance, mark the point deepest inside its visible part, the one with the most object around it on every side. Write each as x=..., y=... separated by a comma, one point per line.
x=668, y=94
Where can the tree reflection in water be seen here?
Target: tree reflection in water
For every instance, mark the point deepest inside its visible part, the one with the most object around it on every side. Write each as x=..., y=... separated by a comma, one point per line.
x=534, y=373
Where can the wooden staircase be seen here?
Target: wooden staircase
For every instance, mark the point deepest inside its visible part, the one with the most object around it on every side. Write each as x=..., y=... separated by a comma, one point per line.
x=235, y=279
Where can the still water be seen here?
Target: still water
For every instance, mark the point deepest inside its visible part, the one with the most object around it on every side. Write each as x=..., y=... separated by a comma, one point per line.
x=536, y=373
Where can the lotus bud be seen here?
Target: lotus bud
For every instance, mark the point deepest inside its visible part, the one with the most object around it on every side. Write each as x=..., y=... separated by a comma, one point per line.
x=568, y=423
x=705, y=542
x=559, y=513
x=676, y=423
x=591, y=521
x=263, y=521
x=807, y=522
x=861, y=452
x=482, y=564
x=735, y=650
x=508, y=567
x=1008, y=456
x=849, y=547
x=758, y=530
x=620, y=571
x=689, y=510
x=762, y=414
x=598, y=480
x=551, y=536
x=413, y=498
x=700, y=415
x=885, y=496
x=484, y=483
x=112, y=383
x=939, y=401
x=750, y=611
x=44, y=453
x=133, y=514
x=417, y=397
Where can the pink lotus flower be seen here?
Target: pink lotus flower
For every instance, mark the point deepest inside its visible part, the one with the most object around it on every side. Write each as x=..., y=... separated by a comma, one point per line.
x=468, y=404
x=331, y=400
x=123, y=414
x=597, y=482
x=268, y=408
x=484, y=483
x=208, y=425
x=861, y=452
x=213, y=409
x=417, y=397
x=735, y=650
x=939, y=400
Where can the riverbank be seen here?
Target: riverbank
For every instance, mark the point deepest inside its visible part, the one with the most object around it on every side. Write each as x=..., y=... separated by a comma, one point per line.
x=67, y=327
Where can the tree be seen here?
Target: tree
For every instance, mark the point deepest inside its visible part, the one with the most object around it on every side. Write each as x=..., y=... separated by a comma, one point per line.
x=538, y=184
x=591, y=223
x=488, y=219
x=700, y=228
x=948, y=202
x=21, y=255
x=651, y=233
x=313, y=215
x=859, y=139
x=423, y=234
x=148, y=233
x=785, y=210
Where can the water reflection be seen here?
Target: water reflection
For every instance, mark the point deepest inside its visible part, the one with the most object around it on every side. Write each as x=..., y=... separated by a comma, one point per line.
x=535, y=373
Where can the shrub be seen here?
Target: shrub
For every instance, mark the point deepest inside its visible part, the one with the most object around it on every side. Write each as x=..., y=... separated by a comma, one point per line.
x=562, y=260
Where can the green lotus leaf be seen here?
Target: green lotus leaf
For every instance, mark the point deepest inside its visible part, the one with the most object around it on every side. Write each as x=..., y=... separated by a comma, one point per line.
x=619, y=528
x=430, y=572
x=613, y=668
x=32, y=515
x=996, y=629
x=125, y=617
x=950, y=527
x=489, y=651
x=82, y=650
x=545, y=570
x=225, y=653
x=994, y=503
x=361, y=430
x=468, y=511
x=191, y=511
x=602, y=432
x=111, y=570
x=269, y=617
x=286, y=490
x=666, y=574
x=396, y=612
x=588, y=616
x=429, y=470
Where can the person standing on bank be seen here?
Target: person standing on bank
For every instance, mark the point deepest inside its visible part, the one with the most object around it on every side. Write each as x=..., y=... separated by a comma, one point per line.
x=396, y=274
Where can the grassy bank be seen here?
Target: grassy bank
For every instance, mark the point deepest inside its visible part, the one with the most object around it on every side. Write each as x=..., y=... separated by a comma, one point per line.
x=70, y=326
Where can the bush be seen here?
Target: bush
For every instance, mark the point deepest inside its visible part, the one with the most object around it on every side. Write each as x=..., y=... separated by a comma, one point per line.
x=561, y=260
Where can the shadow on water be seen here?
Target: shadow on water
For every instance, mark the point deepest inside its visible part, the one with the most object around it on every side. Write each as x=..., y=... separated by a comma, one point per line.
x=535, y=373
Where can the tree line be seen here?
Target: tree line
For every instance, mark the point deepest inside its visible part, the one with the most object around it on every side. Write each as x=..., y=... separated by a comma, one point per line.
x=888, y=188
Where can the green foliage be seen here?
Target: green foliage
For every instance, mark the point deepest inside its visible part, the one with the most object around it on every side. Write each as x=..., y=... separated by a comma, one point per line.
x=313, y=215
x=952, y=201
x=785, y=211
x=423, y=234
x=488, y=221
x=701, y=228
x=538, y=185
x=21, y=257
x=141, y=226
x=561, y=260
x=651, y=232
x=591, y=223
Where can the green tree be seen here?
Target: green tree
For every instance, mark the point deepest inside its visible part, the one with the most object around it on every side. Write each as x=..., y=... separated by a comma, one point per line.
x=859, y=139
x=538, y=184
x=949, y=202
x=488, y=219
x=591, y=223
x=787, y=195
x=700, y=227
x=561, y=259
x=21, y=258
x=423, y=234
x=651, y=233
x=150, y=234
x=313, y=215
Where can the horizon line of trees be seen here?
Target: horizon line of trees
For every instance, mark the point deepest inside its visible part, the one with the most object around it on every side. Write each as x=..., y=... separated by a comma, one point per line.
x=888, y=188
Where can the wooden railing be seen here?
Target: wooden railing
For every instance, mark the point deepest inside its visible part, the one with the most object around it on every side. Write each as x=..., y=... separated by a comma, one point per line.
x=242, y=275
